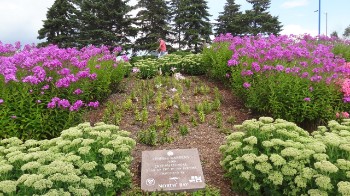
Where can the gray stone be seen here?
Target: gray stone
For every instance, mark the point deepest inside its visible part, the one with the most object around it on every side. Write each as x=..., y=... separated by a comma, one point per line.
x=171, y=170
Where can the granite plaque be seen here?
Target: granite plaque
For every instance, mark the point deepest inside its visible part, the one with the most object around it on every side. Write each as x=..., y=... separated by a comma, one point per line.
x=171, y=170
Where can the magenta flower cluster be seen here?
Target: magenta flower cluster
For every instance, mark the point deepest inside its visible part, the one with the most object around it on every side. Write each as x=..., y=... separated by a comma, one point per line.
x=49, y=69
x=306, y=57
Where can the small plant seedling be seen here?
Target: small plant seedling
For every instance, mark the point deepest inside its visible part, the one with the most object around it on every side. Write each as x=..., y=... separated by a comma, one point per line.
x=176, y=117
x=193, y=120
x=183, y=130
x=231, y=120
x=218, y=119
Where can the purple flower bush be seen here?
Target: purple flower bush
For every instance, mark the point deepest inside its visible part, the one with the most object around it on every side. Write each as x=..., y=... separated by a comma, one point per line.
x=297, y=78
x=48, y=88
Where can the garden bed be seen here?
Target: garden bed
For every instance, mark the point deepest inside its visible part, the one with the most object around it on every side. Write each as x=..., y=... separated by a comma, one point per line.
x=206, y=137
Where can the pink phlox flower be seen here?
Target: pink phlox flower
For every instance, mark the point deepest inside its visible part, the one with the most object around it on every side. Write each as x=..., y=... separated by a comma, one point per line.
x=125, y=58
x=247, y=72
x=346, y=87
x=346, y=99
x=94, y=104
x=256, y=67
x=307, y=99
x=246, y=85
x=31, y=80
x=345, y=114
x=64, y=103
x=1, y=101
x=279, y=68
x=93, y=76
x=83, y=74
x=98, y=66
x=117, y=49
x=75, y=107
x=45, y=87
x=64, y=72
x=232, y=62
x=78, y=91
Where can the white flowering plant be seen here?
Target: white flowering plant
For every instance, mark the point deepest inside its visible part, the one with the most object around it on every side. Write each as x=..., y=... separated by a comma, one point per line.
x=84, y=160
x=191, y=64
x=276, y=157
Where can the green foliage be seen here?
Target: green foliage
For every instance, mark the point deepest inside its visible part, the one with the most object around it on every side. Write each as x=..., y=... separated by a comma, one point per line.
x=148, y=136
x=218, y=120
x=84, y=160
x=183, y=130
x=152, y=20
x=276, y=157
x=259, y=21
x=60, y=25
x=347, y=32
x=25, y=113
x=216, y=57
x=80, y=23
x=176, y=117
x=191, y=64
x=342, y=49
x=230, y=20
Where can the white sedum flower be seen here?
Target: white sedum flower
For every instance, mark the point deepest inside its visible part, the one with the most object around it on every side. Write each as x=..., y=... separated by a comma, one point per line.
x=110, y=167
x=105, y=151
x=8, y=186
x=344, y=188
x=326, y=166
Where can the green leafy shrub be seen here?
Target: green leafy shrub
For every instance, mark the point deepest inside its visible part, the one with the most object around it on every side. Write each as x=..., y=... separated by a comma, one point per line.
x=84, y=160
x=190, y=64
x=51, y=93
x=342, y=49
x=216, y=58
x=276, y=157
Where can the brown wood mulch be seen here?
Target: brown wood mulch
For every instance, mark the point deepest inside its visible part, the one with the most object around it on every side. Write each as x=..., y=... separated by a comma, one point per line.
x=206, y=137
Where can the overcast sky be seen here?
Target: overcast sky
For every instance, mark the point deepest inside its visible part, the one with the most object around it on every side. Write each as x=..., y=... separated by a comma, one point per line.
x=20, y=20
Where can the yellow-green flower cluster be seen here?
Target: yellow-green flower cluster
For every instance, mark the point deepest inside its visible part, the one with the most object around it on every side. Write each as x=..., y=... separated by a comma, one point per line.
x=84, y=160
x=283, y=158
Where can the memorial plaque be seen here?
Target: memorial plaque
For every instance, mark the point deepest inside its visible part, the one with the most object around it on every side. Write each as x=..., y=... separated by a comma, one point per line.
x=171, y=170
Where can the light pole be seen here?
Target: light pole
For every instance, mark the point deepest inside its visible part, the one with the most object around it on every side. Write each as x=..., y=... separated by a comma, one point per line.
x=319, y=17
x=326, y=23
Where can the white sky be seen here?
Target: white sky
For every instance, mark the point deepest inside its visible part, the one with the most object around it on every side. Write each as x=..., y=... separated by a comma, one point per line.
x=20, y=20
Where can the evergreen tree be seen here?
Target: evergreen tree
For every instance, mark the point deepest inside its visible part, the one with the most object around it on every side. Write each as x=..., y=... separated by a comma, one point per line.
x=153, y=22
x=230, y=20
x=179, y=17
x=347, y=32
x=334, y=34
x=60, y=26
x=259, y=20
x=197, y=28
x=105, y=22
x=83, y=22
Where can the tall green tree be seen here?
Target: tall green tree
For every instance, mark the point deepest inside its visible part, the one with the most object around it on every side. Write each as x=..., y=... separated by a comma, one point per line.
x=61, y=24
x=153, y=21
x=197, y=28
x=83, y=22
x=179, y=16
x=230, y=20
x=334, y=34
x=259, y=20
x=347, y=32
x=105, y=22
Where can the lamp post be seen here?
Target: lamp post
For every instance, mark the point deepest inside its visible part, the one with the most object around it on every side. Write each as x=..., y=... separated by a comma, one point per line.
x=319, y=17
x=326, y=23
